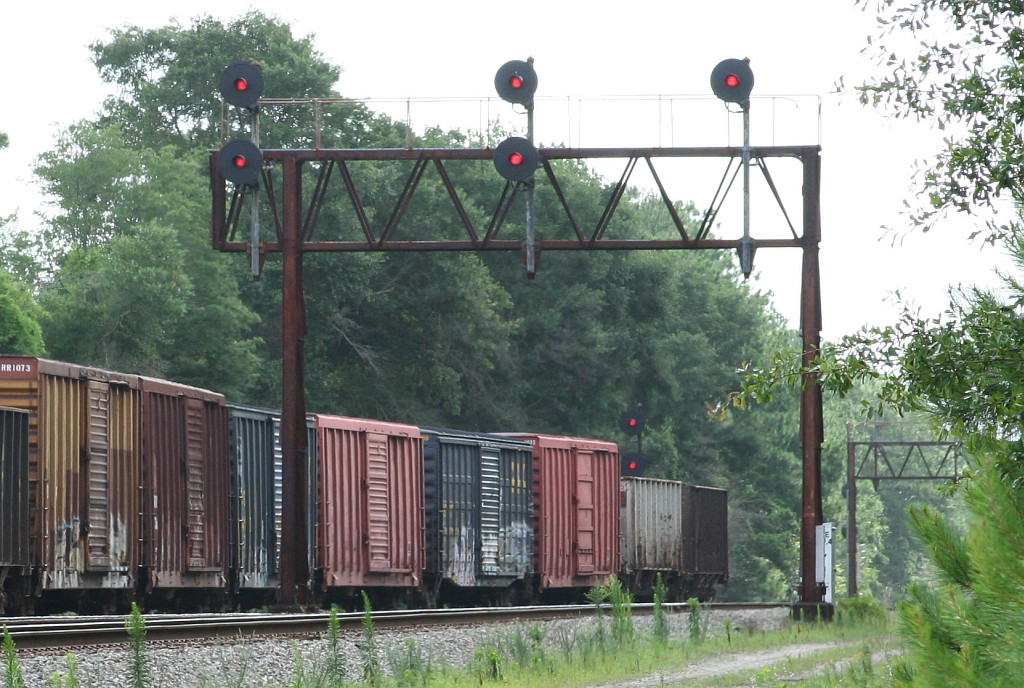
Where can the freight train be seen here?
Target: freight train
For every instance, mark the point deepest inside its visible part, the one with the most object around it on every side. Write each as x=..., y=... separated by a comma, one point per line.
x=119, y=488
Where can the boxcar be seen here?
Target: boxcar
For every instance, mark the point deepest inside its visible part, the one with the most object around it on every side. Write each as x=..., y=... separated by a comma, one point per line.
x=15, y=561
x=369, y=492
x=84, y=468
x=479, y=508
x=257, y=471
x=705, y=539
x=254, y=435
x=185, y=535
x=576, y=513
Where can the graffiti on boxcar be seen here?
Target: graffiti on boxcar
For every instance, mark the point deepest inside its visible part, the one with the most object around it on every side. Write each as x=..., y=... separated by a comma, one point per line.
x=516, y=546
x=120, y=541
x=67, y=559
x=461, y=556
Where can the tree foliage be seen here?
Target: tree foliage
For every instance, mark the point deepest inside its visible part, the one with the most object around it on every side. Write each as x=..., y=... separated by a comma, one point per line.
x=962, y=366
x=20, y=332
x=957, y=66
x=960, y=66
x=168, y=77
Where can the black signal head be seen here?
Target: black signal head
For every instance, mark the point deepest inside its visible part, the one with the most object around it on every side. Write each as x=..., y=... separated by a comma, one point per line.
x=516, y=82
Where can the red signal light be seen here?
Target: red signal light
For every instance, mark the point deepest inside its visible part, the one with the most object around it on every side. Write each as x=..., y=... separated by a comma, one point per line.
x=516, y=82
x=240, y=162
x=732, y=80
x=516, y=159
x=241, y=84
x=632, y=464
x=632, y=422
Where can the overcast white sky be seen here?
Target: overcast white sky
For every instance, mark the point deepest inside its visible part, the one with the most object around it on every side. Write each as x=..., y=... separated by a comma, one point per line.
x=403, y=48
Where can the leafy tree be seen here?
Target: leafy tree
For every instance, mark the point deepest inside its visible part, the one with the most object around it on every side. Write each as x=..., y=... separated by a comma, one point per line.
x=20, y=253
x=409, y=337
x=168, y=78
x=139, y=169
x=956, y=65
x=112, y=303
x=131, y=268
x=20, y=332
x=16, y=248
x=963, y=367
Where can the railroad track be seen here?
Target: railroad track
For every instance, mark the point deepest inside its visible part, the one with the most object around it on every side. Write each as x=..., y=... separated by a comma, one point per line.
x=89, y=631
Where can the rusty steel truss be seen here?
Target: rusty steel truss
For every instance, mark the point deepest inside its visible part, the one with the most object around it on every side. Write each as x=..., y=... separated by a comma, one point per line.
x=880, y=460
x=227, y=211
x=294, y=227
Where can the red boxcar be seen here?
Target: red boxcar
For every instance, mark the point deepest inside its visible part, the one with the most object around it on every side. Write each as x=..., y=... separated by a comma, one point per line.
x=370, y=508
x=186, y=489
x=575, y=513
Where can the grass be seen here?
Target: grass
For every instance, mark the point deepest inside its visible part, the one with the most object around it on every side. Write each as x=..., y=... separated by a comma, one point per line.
x=609, y=649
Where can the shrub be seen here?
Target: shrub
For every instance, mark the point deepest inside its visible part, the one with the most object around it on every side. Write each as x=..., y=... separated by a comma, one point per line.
x=854, y=610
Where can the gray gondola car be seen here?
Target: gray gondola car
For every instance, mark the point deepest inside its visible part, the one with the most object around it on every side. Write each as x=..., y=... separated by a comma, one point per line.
x=14, y=514
x=676, y=531
x=478, y=509
x=652, y=536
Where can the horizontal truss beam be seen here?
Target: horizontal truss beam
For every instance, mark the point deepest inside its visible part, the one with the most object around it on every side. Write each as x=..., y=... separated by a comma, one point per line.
x=877, y=461
x=227, y=207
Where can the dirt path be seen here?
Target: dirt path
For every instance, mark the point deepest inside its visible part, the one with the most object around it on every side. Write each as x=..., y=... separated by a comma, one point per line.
x=714, y=667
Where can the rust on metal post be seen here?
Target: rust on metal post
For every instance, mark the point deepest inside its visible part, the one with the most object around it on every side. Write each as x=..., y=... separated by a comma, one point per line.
x=294, y=565
x=218, y=210
x=811, y=426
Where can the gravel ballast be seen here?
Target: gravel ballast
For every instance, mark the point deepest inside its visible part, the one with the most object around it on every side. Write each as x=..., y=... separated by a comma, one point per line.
x=262, y=663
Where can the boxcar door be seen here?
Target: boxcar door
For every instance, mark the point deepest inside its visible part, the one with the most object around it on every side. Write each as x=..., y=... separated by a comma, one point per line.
x=490, y=510
x=197, y=546
x=378, y=501
x=585, y=511
x=97, y=479
x=14, y=501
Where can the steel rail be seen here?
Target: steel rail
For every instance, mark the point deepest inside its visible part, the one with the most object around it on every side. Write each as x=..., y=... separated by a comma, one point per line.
x=89, y=631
